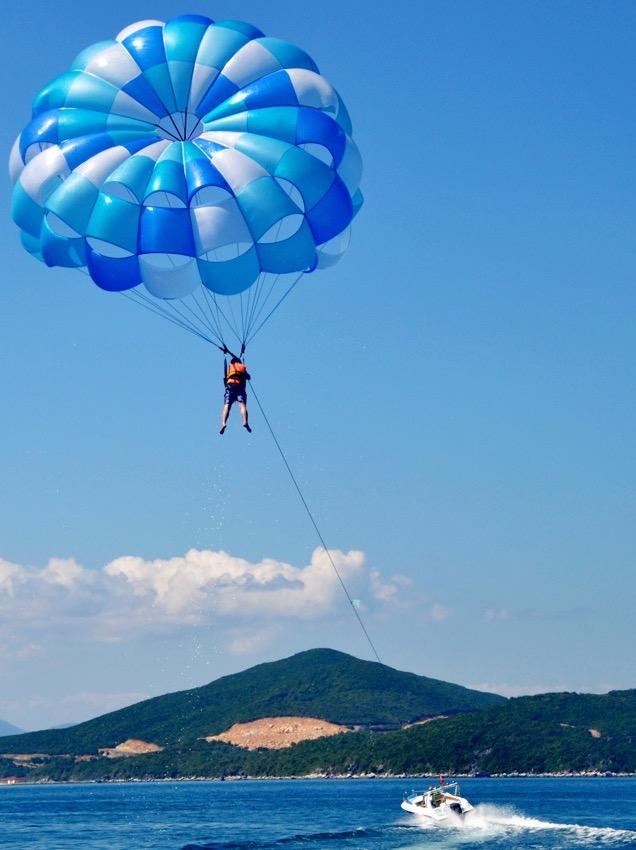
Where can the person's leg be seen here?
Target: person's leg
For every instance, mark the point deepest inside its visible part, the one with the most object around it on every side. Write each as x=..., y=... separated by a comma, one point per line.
x=224, y=415
x=244, y=414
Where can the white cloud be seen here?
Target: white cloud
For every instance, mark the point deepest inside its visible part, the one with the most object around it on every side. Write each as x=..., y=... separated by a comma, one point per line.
x=390, y=592
x=10, y=575
x=402, y=581
x=439, y=612
x=131, y=596
x=205, y=581
x=19, y=650
x=384, y=591
x=251, y=642
x=492, y=615
x=63, y=572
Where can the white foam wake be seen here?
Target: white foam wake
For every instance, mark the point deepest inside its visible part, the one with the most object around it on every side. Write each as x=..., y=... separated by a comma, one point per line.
x=489, y=821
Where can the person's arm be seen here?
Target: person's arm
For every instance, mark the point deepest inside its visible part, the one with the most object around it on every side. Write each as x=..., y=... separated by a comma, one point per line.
x=224, y=371
x=248, y=376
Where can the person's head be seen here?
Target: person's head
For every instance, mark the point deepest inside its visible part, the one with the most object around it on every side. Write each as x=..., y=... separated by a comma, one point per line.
x=235, y=360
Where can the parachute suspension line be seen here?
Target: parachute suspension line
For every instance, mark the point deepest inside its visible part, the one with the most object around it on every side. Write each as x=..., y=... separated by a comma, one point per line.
x=213, y=315
x=268, y=280
x=275, y=307
x=234, y=325
x=175, y=317
x=261, y=300
x=194, y=323
x=163, y=310
x=253, y=294
x=206, y=317
x=240, y=308
x=242, y=315
x=227, y=321
x=163, y=314
x=247, y=306
x=186, y=306
x=153, y=307
x=256, y=303
x=315, y=525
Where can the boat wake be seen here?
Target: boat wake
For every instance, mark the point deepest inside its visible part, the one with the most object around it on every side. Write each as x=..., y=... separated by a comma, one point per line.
x=498, y=826
x=489, y=822
x=299, y=839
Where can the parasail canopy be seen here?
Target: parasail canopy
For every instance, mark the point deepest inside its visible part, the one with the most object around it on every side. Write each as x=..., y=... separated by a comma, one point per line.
x=198, y=167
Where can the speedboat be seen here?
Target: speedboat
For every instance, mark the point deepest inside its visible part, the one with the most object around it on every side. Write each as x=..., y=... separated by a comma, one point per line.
x=438, y=803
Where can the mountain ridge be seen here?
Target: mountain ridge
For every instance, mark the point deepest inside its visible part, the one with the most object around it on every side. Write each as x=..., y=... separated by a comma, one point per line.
x=533, y=735
x=545, y=733
x=7, y=728
x=321, y=683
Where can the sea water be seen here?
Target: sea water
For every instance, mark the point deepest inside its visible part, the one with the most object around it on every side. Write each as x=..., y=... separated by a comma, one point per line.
x=354, y=814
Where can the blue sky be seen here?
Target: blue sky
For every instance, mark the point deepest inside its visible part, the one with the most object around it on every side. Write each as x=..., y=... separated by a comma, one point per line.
x=456, y=396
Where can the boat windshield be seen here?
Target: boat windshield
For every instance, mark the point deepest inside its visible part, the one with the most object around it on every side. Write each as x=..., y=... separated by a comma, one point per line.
x=448, y=788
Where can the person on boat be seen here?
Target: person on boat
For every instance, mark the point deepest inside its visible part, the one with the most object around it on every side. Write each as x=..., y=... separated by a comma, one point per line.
x=235, y=377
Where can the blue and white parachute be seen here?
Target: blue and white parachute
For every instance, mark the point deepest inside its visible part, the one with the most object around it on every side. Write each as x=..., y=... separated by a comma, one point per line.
x=188, y=162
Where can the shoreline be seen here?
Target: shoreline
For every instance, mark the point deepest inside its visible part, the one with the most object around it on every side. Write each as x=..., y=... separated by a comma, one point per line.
x=319, y=776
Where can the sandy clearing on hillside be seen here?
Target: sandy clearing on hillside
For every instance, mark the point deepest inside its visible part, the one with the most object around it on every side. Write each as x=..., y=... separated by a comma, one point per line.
x=18, y=757
x=275, y=733
x=131, y=747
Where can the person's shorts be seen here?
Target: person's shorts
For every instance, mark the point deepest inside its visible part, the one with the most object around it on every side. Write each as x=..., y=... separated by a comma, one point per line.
x=235, y=392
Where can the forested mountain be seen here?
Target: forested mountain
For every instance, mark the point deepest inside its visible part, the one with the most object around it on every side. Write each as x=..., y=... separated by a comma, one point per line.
x=318, y=683
x=481, y=733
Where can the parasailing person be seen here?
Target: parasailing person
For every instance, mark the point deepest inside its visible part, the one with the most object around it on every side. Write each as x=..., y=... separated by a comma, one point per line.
x=235, y=378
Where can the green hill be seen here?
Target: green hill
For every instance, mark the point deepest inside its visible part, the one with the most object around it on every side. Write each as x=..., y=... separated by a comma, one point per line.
x=319, y=683
x=548, y=733
x=541, y=734
x=482, y=733
x=562, y=732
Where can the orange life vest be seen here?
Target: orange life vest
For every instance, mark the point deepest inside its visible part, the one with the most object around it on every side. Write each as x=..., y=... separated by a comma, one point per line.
x=236, y=373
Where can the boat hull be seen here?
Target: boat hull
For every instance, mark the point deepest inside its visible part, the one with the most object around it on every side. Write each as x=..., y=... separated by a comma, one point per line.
x=420, y=805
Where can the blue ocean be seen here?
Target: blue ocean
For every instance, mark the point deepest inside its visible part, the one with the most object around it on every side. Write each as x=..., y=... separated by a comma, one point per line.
x=362, y=814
